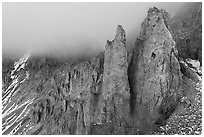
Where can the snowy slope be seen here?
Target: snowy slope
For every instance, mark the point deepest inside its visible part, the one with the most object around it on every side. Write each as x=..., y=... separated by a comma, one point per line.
x=14, y=110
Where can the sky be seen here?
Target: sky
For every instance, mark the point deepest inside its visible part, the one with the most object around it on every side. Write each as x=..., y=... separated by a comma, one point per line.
x=68, y=28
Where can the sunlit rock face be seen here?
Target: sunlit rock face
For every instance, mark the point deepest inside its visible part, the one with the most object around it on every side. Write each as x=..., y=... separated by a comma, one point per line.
x=154, y=72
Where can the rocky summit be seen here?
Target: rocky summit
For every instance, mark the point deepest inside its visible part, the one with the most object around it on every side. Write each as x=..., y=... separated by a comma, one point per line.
x=115, y=92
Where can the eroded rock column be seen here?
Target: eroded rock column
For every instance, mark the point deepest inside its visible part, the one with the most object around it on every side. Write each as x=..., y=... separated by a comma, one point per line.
x=154, y=73
x=115, y=93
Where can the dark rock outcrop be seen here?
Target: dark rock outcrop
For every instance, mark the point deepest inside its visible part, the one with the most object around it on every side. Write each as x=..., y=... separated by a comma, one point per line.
x=187, y=32
x=154, y=73
x=189, y=72
x=7, y=67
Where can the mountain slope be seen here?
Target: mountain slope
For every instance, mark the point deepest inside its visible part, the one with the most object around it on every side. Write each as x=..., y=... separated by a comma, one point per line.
x=113, y=92
x=187, y=31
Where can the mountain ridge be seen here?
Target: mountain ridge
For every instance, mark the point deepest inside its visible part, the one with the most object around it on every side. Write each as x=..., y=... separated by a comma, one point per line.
x=110, y=93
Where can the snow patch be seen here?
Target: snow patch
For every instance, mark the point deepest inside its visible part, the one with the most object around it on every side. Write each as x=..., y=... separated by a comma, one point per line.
x=19, y=65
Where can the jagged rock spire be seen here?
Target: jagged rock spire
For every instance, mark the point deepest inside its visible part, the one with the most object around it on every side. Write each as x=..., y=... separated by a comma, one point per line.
x=155, y=72
x=115, y=57
x=120, y=34
x=156, y=19
x=115, y=93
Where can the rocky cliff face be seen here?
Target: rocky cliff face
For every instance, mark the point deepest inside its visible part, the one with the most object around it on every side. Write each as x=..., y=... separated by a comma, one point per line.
x=62, y=99
x=109, y=93
x=7, y=67
x=115, y=96
x=155, y=75
x=187, y=31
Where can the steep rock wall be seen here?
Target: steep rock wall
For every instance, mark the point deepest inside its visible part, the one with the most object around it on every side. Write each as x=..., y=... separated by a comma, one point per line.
x=115, y=93
x=154, y=73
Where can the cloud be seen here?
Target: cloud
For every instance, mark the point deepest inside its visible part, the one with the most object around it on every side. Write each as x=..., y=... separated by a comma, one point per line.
x=70, y=28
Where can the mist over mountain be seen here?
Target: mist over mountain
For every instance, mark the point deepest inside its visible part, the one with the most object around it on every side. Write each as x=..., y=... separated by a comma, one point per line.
x=70, y=28
x=102, y=69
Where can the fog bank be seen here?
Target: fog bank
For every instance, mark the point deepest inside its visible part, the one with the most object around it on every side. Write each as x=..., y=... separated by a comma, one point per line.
x=69, y=28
